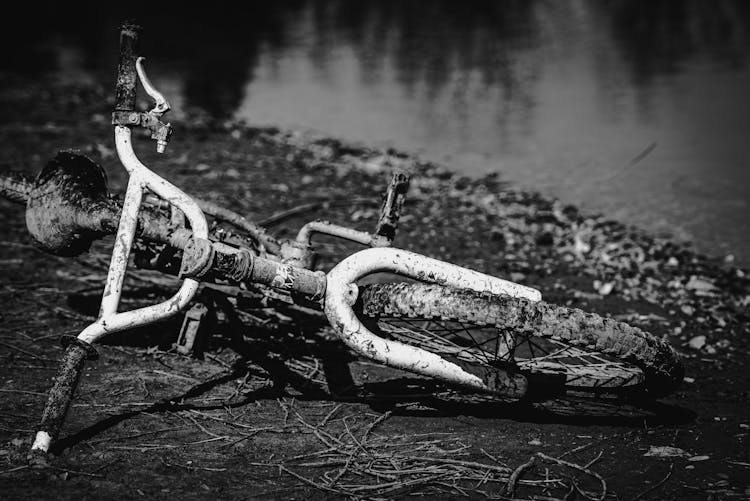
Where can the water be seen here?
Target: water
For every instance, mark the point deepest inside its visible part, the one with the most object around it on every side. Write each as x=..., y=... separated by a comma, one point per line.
x=639, y=110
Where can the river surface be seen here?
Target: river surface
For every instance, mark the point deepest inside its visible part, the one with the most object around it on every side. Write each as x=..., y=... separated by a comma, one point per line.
x=638, y=110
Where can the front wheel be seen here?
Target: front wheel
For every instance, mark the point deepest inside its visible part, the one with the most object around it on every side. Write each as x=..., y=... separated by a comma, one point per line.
x=557, y=349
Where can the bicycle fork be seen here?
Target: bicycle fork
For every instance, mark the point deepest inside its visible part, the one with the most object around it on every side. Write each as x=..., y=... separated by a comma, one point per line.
x=110, y=319
x=342, y=291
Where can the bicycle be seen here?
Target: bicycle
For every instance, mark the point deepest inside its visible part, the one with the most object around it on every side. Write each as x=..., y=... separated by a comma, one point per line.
x=477, y=333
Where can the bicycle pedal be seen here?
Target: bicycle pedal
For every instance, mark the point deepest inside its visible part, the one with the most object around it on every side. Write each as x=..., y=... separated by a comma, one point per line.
x=195, y=332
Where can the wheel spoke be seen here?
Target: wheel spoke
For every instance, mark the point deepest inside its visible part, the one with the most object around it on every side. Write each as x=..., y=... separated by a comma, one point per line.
x=483, y=346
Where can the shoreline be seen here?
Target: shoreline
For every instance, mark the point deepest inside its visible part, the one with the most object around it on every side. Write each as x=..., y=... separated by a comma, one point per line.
x=585, y=261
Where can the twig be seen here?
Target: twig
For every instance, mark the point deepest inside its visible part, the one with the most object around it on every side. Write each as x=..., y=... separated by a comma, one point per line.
x=510, y=487
x=76, y=472
x=374, y=424
x=457, y=462
x=330, y=414
x=310, y=482
x=177, y=376
x=318, y=432
x=577, y=449
x=3, y=390
x=22, y=467
x=204, y=430
x=579, y=468
x=214, y=439
x=33, y=355
x=656, y=485
x=597, y=458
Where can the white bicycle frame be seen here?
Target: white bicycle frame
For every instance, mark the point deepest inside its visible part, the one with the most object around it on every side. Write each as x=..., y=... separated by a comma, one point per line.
x=341, y=288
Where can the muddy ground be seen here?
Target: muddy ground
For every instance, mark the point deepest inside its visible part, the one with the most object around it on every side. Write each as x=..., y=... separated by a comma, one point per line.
x=262, y=415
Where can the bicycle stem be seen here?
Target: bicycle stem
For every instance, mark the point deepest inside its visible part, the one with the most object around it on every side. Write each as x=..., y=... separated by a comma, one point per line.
x=385, y=230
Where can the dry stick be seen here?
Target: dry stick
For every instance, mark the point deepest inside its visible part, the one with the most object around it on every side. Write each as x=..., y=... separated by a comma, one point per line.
x=484, y=479
x=457, y=462
x=656, y=485
x=597, y=458
x=330, y=414
x=455, y=487
x=204, y=430
x=33, y=355
x=311, y=454
x=510, y=487
x=127, y=437
x=214, y=439
x=318, y=486
x=579, y=468
x=374, y=424
x=392, y=486
x=577, y=449
x=176, y=376
x=76, y=472
x=15, y=469
x=36, y=393
x=318, y=431
x=230, y=423
x=354, y=439
x=343, y=470
x=285, y=409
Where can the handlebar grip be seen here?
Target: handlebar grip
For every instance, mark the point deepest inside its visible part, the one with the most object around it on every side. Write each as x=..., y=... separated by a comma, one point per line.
x=126, y=74
x=61, y=393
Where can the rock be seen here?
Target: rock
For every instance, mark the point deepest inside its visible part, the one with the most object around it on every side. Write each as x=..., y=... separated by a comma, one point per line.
x=699, y=284
x=579, y=246
x=517, y=277
x=697, y=342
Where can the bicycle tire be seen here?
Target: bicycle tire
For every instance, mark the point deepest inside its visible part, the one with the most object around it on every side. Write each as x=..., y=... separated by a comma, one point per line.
x=589, y=353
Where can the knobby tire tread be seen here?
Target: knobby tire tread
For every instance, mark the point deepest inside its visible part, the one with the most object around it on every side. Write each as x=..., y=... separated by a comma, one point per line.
x=656, y=358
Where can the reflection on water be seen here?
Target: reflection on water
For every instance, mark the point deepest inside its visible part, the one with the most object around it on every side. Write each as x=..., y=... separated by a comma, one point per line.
x=638, y=109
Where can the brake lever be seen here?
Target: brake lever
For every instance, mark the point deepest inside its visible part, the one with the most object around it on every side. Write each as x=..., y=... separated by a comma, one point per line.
x=160, y=132
x=161, y=104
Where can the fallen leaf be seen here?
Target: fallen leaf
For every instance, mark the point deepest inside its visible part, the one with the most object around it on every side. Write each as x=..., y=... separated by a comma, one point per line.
x=666, y=452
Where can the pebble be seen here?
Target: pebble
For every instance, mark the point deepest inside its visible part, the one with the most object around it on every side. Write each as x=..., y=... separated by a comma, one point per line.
x=697, y=342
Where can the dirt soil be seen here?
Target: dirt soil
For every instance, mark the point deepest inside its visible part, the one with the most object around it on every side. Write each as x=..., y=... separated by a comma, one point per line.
x=262, y=416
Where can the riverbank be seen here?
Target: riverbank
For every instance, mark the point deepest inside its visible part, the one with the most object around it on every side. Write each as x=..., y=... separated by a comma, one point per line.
x=143, y=415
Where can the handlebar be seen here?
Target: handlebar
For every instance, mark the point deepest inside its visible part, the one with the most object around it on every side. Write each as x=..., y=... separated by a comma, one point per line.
x=127, y=77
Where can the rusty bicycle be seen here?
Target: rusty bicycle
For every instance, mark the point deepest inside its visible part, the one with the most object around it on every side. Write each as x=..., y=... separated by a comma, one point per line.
x=474, y=332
